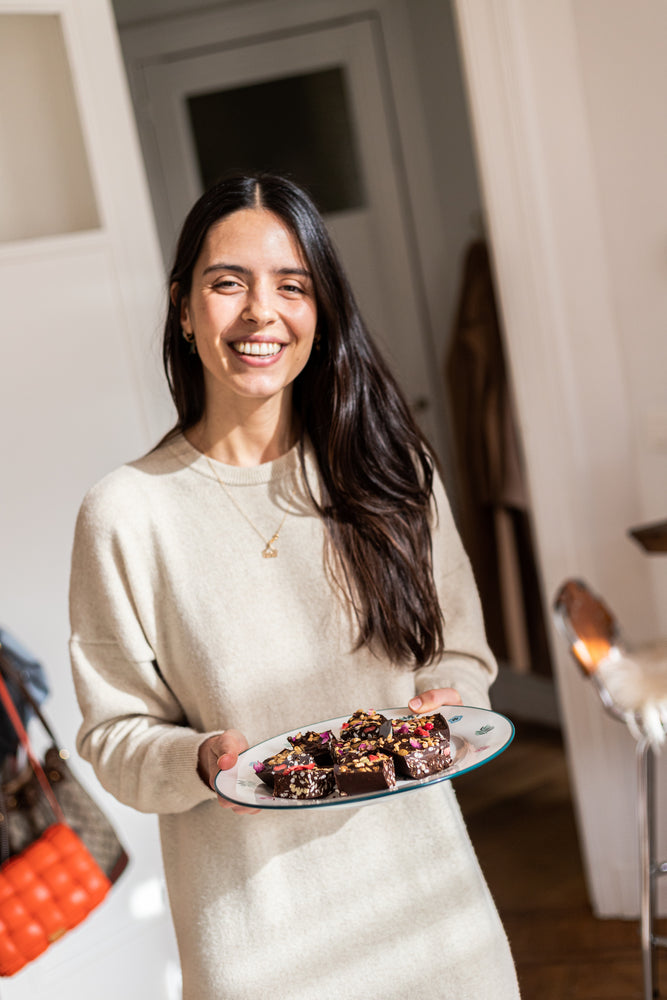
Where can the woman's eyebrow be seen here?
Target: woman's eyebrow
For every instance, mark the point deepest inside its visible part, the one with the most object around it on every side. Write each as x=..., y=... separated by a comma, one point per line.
x=240, y=269
x=301, y=271
x=237, y=268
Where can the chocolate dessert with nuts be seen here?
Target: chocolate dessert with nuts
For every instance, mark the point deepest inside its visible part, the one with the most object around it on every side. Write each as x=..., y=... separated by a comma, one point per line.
x=368, y=754
x=303, y=781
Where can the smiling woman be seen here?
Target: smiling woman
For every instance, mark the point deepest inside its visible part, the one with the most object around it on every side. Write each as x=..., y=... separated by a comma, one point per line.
x=251, y=309
x=191, y=640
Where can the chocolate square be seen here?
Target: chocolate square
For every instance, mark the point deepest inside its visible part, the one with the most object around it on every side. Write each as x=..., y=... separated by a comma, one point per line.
x=363, y=725
x=418, y=757
x=267, y=769
x=304, y=782
x=372, y=773
x=316, y=744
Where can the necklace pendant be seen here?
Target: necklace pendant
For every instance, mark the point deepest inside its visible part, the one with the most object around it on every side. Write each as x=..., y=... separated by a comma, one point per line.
x=268, y=552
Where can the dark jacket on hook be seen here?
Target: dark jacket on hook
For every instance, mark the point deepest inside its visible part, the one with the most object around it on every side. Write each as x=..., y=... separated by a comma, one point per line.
x=34, y=678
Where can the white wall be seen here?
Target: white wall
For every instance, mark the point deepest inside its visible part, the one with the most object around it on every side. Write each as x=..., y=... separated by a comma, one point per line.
x=624, y=80
x=80, y=393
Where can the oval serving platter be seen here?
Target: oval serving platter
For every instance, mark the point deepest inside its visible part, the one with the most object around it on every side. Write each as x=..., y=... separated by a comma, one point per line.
x=477, y=735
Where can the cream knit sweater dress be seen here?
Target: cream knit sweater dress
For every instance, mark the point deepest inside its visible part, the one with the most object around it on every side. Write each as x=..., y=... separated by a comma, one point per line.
x=179, y=630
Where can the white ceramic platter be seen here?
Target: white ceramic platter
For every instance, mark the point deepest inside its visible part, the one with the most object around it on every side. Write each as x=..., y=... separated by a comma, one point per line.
x=477, y=736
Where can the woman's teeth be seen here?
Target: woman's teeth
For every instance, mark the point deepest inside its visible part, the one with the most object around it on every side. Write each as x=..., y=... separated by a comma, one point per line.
x=251, y=347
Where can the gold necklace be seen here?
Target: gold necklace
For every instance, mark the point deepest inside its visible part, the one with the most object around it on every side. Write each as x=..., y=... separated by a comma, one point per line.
x=269, y=551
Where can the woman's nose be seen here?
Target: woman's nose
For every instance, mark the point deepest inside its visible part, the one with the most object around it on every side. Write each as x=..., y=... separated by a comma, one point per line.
x=259, y=309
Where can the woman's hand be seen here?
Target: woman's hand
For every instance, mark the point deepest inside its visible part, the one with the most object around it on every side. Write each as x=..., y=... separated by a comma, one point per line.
x=430, y=701
x=220, y=753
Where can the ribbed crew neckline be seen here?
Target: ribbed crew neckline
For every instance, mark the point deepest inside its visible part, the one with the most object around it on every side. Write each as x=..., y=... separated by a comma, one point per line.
x=234, y=475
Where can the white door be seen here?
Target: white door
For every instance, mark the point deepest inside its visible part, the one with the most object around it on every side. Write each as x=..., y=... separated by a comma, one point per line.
x=372, y=231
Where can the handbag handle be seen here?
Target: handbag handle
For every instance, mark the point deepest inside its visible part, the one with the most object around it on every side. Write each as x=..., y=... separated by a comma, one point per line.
x=15, y=719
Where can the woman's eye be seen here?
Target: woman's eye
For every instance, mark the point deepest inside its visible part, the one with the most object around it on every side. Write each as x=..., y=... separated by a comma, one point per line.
x=226, y=283
x=292, y=288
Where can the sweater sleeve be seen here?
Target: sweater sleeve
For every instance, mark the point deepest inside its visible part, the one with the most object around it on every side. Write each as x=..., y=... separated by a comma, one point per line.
x=134, y=730
x=467, y=664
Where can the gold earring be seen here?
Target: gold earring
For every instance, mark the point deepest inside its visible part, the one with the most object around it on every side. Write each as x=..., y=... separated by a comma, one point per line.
x=190, y=337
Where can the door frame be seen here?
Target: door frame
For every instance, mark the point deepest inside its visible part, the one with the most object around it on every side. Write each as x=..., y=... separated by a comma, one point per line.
x=536, y=163
x=370, y=236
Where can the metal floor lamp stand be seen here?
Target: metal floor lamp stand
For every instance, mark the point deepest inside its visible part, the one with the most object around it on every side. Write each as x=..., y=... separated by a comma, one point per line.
x=593, y=635
x=652, y=538
x=650, y=869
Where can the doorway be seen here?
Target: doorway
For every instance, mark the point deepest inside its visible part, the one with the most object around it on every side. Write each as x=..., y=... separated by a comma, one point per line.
x=310, y=102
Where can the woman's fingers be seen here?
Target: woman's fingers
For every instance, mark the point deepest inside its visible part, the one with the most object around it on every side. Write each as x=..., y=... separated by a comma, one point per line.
x=228, y=746
x=220, y=753
x=430, y=701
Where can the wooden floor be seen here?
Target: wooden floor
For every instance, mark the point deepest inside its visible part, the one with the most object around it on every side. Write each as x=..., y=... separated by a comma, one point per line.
x=520, y=818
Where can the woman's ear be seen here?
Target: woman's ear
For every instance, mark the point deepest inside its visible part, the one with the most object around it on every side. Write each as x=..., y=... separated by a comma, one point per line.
x=181, y=303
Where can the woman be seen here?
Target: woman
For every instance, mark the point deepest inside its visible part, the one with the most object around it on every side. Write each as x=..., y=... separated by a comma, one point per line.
x=285, y=555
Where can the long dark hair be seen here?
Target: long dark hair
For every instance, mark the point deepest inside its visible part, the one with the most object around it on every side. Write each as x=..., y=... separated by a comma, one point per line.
x=375, y=466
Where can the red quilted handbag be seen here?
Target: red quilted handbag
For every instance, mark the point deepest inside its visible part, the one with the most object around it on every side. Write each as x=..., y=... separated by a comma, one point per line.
x=49, y=887
x=44, y=892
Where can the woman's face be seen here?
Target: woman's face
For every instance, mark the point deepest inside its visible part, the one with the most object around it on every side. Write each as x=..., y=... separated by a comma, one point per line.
x=251, y=307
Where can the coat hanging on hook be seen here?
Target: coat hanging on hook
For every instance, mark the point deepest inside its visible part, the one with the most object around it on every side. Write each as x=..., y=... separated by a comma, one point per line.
x=493, y=495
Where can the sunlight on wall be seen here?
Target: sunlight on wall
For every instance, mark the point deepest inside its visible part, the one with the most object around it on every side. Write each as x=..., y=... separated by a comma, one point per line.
x=174, y=981
x=148, y=900
x=46, y=183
